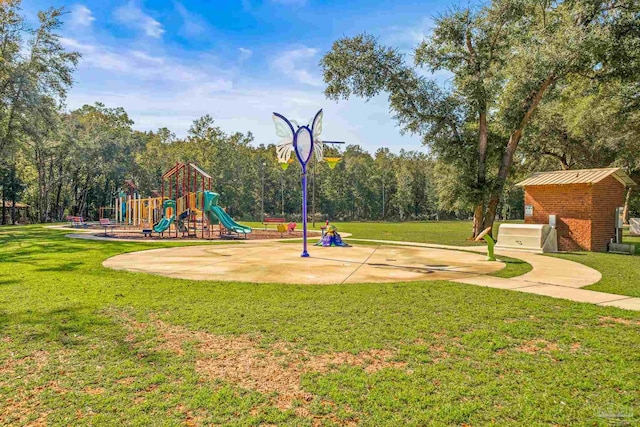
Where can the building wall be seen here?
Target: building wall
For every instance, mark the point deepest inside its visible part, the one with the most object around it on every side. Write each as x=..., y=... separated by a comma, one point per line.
x=571, y=204
x=585, y=212
x=607, y=194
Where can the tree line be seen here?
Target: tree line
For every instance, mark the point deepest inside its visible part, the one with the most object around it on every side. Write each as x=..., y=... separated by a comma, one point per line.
x=81, y=165
x=535, y=86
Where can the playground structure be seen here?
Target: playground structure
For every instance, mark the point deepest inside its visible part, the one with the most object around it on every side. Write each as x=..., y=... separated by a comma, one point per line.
x=129, y=209
x=186, y=207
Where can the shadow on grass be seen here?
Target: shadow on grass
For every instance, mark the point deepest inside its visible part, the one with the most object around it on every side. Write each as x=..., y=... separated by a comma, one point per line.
x=34, y=242
x=68, y=326
x=69, y=266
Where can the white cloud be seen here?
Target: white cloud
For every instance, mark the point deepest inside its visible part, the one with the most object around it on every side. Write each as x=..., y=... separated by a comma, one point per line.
x=289, y=64
x=356, y=121
x=76, y=45
x=409, y=36
x=81, y=16
x=146, y=57
x=132, y=15
x=193, y=25
x=135, y=63
x=244, y=54
x=96, y=56
x=160, y=90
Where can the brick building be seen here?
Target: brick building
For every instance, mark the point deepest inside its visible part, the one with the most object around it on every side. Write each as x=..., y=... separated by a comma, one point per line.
x=584, y=202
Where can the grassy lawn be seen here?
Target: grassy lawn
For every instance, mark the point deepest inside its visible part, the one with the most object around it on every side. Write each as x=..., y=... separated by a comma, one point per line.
x=440, y=232
x=620, y=273
x=84, y=345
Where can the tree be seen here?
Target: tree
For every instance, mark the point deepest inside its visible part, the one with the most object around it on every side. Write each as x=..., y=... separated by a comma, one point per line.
x=505, y=58
x=43, y=71
x=587, y=123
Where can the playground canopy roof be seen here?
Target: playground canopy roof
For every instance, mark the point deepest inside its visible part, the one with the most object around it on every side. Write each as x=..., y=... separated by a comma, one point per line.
x=179, y=166
x=578, y=176
x=203, y=173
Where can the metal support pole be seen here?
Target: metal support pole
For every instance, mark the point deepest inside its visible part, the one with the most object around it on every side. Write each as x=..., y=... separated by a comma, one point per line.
x=262, y=213
x=313, y=195
x=304, y=212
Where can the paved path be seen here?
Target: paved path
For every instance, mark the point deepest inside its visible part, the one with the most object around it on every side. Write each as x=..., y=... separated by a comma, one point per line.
x=549, y=276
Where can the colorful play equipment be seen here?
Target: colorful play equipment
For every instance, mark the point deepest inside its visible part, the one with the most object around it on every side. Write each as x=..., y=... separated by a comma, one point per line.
x=486, y=235
x=305, y=142
x=331, y=237
x=216, y=213
x=185, y=207
x=169, y=207
x=129, y=209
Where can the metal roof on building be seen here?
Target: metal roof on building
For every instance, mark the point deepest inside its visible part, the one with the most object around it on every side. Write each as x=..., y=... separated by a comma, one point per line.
x=578, y=176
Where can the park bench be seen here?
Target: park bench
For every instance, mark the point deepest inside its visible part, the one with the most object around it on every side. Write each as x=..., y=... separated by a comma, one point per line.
x=107, y=225
x=77, y=222
x=274, y=220
x=147, y=232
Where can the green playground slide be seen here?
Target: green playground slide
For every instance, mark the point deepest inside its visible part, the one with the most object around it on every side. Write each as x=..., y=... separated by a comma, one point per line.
x=162, y=225
x=216, y=213
x=165, y=222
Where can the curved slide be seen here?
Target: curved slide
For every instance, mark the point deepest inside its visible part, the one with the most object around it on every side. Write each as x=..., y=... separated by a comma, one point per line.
x=216, y=213
x=162, y=225
x=166, y=221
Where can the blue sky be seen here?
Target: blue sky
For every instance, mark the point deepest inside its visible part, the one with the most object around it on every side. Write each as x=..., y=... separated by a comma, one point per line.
x=169, y=62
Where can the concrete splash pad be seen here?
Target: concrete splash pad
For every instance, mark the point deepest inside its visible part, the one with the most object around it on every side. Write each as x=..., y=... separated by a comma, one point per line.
x=281, y=263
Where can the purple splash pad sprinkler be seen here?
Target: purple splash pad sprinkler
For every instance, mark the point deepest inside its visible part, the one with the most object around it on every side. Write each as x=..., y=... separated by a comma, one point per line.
x=304, y=141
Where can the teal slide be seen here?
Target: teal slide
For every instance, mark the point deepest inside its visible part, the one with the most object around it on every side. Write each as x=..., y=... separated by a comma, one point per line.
x=216, y=213
x=162, y=225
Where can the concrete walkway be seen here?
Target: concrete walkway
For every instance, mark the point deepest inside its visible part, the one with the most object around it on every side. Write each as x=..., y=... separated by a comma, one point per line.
x=549, y=276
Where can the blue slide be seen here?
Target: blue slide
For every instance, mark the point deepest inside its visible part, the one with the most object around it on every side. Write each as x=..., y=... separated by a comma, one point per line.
x=216, y=213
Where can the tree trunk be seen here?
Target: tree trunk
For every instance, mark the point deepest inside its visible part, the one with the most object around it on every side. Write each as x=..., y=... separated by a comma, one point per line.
x=4, y=201
x=59, y=209
x=41, y=185
x=478, y=218
x=625, y=211
x=512, y=145
x=483, y=143
x=12, y=187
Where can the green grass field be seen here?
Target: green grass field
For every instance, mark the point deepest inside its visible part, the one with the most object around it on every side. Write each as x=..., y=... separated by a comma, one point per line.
x=84, y=345
x=441, y=232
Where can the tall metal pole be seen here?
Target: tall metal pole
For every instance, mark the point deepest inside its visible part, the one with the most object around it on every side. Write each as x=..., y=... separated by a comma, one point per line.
x=282, y=191
x=384, y=178
x=262, y=213
x=304, y=212
x=313, y=196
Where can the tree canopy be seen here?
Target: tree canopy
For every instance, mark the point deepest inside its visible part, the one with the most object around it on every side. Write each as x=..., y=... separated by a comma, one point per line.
x=506, y=58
